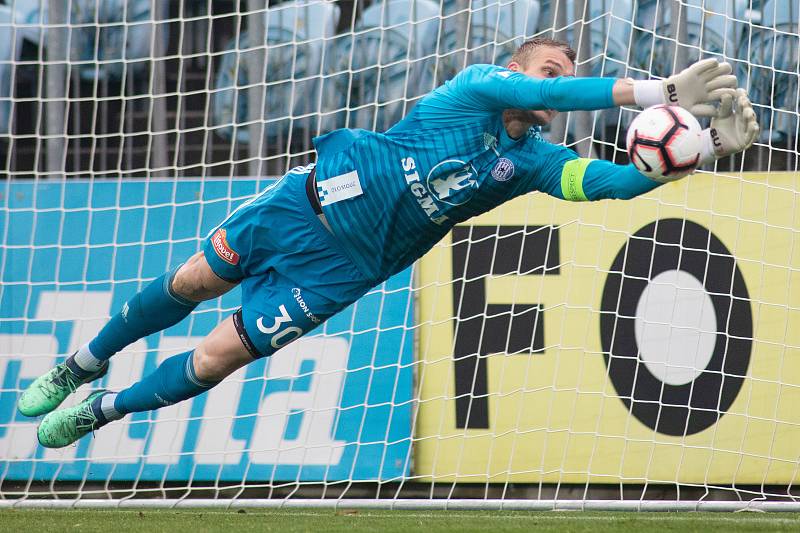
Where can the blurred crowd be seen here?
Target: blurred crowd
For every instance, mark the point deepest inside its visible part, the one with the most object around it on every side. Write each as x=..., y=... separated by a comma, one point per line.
x=154, y=88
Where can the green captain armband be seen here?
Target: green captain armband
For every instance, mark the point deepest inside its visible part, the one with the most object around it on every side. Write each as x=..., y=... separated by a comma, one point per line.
x=572, y=179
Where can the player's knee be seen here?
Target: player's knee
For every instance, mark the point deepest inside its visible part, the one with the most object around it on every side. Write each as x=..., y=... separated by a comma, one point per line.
x=195, y=280
x=185, y=284
x=205, y=366
x=220, y=353
x=211, y=367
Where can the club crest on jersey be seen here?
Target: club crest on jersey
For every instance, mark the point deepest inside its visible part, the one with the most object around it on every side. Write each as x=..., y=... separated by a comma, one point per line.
x=223, y=249
x=503, y=170
x=452, y=181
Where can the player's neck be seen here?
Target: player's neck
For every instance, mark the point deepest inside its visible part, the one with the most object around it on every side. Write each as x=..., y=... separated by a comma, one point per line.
x=516, y=123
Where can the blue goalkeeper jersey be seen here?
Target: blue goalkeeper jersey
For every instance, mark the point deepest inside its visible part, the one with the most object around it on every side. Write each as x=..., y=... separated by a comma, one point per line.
x=389, y=197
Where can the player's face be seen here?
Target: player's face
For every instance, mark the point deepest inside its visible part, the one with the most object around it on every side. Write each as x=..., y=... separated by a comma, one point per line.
x=546, y=62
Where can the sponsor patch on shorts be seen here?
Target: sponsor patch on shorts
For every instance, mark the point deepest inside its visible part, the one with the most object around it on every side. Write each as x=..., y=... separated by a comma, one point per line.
x=223, y=249
x=503, y=170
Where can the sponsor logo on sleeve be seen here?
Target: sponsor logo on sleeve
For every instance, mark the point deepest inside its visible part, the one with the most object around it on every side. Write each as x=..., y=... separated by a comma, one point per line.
x=223, y=249
x=503, y=170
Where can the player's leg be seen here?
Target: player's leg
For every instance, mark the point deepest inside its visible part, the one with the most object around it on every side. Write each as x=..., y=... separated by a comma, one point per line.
x=178, y=378
x=275, y=313
x=296, y=278
x=163, y=303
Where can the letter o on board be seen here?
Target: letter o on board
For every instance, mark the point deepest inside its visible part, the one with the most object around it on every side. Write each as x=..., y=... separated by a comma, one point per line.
x=676, y=327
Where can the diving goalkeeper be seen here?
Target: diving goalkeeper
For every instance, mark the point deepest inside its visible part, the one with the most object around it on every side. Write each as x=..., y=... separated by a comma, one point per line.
x=323, y=235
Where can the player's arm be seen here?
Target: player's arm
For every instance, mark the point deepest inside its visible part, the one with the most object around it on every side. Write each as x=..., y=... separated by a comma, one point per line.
x=696, y=88
x=496, y=88
x=582, y=179
x=564, y=175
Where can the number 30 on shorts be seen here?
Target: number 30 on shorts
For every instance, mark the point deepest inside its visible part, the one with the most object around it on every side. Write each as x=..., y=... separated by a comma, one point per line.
x=285, y=335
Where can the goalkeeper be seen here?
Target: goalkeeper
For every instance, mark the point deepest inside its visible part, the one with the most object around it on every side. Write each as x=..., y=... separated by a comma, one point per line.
x=322, y=236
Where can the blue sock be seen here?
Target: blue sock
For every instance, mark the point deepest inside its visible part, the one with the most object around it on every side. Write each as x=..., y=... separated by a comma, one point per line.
x=173, y=381
x=155, y=308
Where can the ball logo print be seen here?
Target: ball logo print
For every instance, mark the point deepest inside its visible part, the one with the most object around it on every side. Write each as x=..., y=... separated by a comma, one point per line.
x=664, y=143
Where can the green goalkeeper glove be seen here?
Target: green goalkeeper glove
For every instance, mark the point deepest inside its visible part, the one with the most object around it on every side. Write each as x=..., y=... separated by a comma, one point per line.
x=695, y=88
x=730, y=132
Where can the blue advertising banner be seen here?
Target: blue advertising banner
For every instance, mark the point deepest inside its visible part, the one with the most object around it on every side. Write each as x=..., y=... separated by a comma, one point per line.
x=334, y=405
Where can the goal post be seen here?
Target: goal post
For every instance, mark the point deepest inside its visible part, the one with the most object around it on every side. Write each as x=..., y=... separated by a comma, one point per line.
x=636, y=355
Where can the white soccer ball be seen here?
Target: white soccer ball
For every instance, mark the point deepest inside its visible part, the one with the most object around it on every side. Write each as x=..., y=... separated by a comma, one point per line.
x=664, y=143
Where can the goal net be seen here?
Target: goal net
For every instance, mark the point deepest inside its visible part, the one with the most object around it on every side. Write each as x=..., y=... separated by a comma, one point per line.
x=545, y=354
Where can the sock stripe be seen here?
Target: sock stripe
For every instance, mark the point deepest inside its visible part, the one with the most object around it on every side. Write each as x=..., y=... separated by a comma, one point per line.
x=108, y=408
x=173, y=381
x=172, y=294
x=192, y=376
x=86, y=361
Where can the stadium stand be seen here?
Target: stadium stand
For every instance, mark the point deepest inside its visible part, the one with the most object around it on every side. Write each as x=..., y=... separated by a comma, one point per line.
x=364, y=70
x=390, y=55
x=494, y=30
x=773, y=52
x=294, y=54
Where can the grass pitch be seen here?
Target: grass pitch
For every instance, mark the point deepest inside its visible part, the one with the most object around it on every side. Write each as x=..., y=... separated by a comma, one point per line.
x=354, y=521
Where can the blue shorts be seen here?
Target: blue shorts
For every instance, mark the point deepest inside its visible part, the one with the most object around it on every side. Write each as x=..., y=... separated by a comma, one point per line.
x=293, y=273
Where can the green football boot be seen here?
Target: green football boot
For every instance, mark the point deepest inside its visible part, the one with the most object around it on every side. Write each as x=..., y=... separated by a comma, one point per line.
x=49, y=390
x=65, y=426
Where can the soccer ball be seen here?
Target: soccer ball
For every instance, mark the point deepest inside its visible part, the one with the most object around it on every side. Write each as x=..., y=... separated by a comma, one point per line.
x=664, y=143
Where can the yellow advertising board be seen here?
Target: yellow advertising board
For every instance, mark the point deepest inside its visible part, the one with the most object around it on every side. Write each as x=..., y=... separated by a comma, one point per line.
x=652, y=340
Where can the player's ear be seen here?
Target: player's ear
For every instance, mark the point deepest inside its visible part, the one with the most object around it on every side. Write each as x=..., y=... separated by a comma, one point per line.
x=513, y=66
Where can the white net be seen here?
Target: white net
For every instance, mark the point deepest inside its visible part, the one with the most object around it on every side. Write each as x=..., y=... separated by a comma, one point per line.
x=614, y=351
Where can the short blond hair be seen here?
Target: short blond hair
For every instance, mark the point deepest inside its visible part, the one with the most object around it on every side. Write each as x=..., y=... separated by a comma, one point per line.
x=527, y=49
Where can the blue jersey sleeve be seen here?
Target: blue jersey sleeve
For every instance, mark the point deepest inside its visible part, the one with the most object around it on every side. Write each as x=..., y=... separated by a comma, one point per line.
x=479, y=90
x=569, y=177
x=491, y=87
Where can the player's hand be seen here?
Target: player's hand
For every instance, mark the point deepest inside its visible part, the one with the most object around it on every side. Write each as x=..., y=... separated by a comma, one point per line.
x=730, y=131
x=696, y=88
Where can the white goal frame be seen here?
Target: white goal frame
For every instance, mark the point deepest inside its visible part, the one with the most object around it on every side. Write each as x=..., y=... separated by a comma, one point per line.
x=547, y=355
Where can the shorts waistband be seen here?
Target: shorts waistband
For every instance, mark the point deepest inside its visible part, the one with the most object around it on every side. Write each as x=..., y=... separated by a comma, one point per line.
x=313, y=198
x=311, y=191
x=321, y=223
